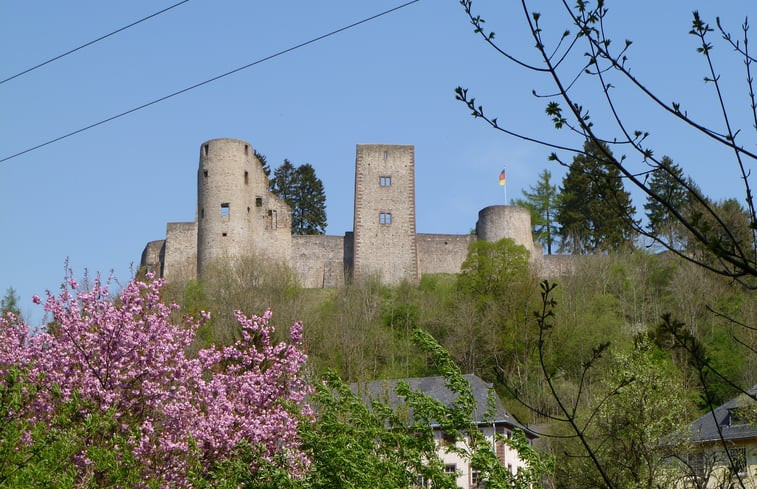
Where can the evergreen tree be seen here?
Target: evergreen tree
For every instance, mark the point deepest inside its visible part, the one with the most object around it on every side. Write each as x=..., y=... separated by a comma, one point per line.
x=541, y=200
x=309, y=213
x=303, y=191
x=264, y=162
x=594, y=211
x=668, y=183
x=9, y=303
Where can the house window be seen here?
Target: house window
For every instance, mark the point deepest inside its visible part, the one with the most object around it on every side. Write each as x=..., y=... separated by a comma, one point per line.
x=475, y=479
x=225, y=209
x=385, y=218
x=738, y=460
x=450, y=469
x=258, y=201
x=385, y=181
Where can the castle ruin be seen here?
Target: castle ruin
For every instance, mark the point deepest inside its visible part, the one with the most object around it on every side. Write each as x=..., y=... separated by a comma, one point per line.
x=238, y=216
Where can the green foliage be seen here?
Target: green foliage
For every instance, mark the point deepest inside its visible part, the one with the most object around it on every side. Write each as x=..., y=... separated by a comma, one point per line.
x=303, y=191
x=43, y=459
x=668, y=183
x=9, y=303
x=594, y=211
x=490, y=268
x=541, y=200
x=356, y=443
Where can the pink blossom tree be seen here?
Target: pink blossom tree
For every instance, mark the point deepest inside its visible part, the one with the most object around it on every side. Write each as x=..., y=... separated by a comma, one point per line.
x=126, y=359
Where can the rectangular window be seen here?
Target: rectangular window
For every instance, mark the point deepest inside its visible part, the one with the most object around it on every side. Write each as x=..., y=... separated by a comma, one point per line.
x=385, y=218
x=246, y=176
x=272, y=219
x=738, y=459
x=225, y=209
x=385, y=181
x=450, y=469
x=475, y=479
x=258, y=201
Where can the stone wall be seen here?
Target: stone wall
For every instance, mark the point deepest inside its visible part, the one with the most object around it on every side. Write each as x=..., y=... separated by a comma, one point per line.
x=238, y=216
x=180, y=251
x=442, y=253
x=153, y=257
x=385, y=213
x=319, y=260
x=506, y=221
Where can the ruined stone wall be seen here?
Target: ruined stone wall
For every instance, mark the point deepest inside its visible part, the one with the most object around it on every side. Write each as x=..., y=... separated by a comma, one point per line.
x=319, y=260
x=442, y=253
x=384, y=241
x=180, y=262
x=237, y=215
x=153, y=257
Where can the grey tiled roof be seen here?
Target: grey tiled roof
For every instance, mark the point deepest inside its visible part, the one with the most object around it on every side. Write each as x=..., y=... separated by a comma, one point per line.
x=705, y=428
x=434, y=387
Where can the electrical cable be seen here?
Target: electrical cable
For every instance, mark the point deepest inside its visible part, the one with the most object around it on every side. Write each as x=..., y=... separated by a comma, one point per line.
x=92, y=42
x=209, y=80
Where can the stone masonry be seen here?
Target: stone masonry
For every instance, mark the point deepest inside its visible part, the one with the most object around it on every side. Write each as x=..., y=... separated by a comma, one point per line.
x=237, y=217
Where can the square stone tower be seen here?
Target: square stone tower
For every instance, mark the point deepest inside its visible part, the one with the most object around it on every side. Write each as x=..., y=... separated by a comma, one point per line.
x=384, y=239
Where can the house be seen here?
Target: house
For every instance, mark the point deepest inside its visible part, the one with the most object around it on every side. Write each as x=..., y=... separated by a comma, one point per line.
x=731, y=426
x=489, y=421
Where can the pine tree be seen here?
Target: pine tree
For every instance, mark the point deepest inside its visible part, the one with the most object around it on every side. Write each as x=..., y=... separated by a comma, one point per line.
x=541, y=200
x=309, y=213
x=263, y=162
x=303, y=191
x=594, y=211
x=9, y=303
x=668, y=183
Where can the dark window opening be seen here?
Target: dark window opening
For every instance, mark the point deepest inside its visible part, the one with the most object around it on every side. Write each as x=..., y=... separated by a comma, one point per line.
x=258, y=201
x=272, y=219
x=246, y=150
x=385, y=181
x=450, y=469
x=206, y=147
x=246, y=177
x=205, y=173
x=385, y=218
x=225, y=209
x=202, y=213
x=223, y=234
x=248, y=209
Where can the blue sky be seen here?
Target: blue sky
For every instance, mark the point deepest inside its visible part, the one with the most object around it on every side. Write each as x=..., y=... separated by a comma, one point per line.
x=97, y=197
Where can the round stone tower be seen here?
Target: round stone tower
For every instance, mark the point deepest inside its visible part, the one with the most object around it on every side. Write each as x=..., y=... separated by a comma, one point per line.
x=227, y=168
x=506, y=221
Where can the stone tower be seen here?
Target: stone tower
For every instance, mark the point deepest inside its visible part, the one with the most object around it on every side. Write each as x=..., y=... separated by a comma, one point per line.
x=384, y=239
x=506, y=221
x=236, y=214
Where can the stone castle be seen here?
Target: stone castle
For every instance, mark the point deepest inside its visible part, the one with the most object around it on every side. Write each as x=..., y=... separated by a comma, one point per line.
x=238, y=216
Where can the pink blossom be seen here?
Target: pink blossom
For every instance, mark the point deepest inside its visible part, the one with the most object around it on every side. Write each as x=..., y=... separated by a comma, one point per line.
x=128, y=355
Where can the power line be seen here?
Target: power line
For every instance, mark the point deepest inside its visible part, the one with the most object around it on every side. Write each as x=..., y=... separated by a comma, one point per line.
x=92, y=42
x=209, y=80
